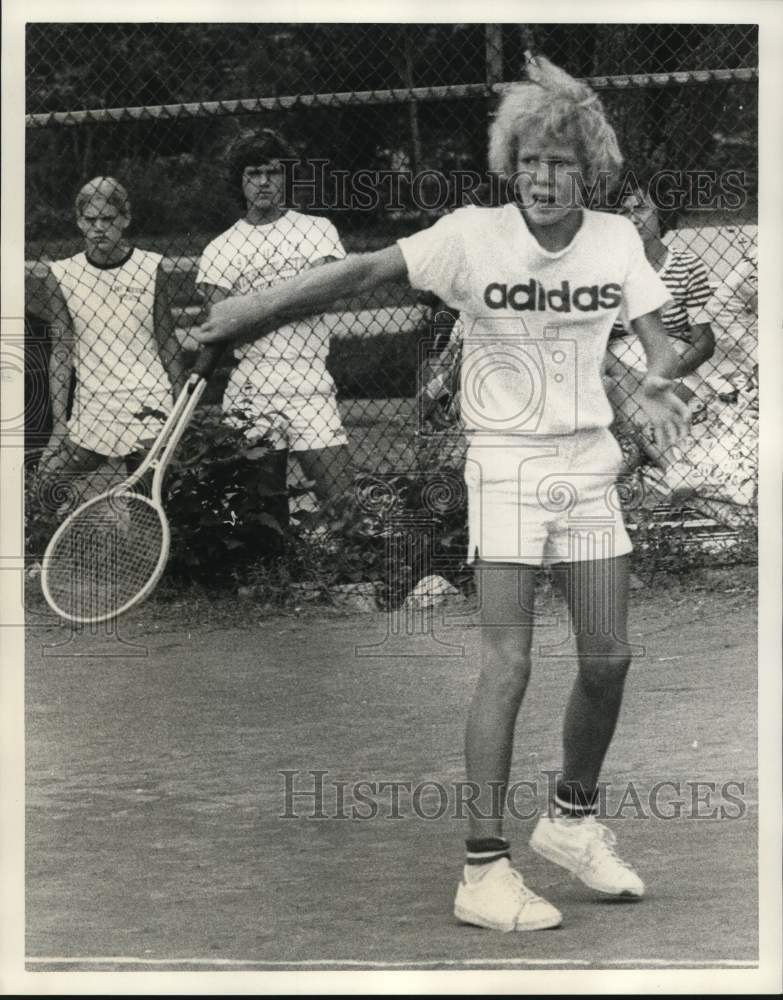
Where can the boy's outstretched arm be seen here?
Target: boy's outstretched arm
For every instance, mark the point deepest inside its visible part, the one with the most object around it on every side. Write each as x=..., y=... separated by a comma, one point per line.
x=668, y=415
x=308, y=293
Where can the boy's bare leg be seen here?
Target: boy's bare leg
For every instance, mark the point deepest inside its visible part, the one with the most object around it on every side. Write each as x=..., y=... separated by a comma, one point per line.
x=492, y=893
x=506, y=594
x=596, y=593
x=597, y=596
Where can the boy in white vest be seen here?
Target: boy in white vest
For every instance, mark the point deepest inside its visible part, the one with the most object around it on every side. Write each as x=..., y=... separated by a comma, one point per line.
x=108, y=308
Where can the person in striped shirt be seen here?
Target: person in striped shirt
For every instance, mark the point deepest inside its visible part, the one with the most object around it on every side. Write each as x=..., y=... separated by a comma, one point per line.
x=685, y=318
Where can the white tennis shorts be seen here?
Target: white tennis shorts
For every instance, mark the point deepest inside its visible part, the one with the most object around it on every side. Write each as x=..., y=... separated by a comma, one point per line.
x=538, y=499
x=302, y=418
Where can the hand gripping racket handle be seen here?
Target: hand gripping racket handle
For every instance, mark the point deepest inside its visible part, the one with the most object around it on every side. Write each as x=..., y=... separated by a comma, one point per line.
x=208, y=360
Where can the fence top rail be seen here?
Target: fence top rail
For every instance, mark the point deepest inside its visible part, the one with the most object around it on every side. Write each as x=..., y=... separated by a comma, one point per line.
x=207, y=109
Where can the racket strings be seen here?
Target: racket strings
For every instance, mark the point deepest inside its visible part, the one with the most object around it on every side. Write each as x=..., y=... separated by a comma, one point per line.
x=105, y=557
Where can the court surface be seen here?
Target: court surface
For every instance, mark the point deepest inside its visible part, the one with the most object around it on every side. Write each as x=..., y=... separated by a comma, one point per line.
x=157, y=835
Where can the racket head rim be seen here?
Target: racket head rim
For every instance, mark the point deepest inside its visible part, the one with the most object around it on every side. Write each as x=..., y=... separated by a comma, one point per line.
x=148, y=586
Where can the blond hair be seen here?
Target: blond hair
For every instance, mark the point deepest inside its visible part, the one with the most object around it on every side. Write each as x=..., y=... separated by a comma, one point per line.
x=112, y=192
x=554, y=104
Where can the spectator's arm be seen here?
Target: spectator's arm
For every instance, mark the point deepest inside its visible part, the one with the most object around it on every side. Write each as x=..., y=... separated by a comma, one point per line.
x=54, y=311
x=168, y=345
x=702, y=339
x=701, y=349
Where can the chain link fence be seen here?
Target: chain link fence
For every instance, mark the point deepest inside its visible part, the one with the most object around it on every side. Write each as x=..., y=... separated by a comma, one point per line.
x=309, y=438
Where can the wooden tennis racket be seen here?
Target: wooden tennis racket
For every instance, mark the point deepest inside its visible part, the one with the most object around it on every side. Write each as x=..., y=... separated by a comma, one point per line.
x=110, y=553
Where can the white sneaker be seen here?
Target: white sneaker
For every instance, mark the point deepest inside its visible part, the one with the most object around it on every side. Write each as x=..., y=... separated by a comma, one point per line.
x=500, y=900
x=586, y=848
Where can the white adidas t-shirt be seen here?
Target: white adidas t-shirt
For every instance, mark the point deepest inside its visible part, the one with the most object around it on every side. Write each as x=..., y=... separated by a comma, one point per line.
x=247, y=258
x=113, y=310
x=536, y=322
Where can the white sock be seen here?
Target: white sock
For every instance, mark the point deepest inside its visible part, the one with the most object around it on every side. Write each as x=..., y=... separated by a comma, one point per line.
x=474, y=873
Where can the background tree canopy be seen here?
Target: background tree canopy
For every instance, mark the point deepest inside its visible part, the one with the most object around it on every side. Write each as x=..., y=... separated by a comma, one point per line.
x=173, y=166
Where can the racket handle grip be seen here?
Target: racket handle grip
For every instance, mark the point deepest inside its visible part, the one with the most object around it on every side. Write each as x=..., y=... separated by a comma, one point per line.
x=208, y=360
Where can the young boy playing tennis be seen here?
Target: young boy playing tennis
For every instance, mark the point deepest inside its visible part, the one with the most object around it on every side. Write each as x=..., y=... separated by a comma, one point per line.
x=110, y=314
x=539, y=284
x=281, y=389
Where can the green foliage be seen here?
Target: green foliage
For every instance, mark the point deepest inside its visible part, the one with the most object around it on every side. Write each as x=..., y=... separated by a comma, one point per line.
x=384, y=531
x=39, y=520
x=227, y=513
x=172, y=167
x=335, y=545
x=661, y=550
x=435, y=544
x=225, y=504
x=168, y=189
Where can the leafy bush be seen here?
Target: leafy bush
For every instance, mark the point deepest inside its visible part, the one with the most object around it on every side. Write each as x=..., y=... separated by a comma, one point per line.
x=671, y=542
x=389, y=530
x=226, y=505
x=228, y=512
